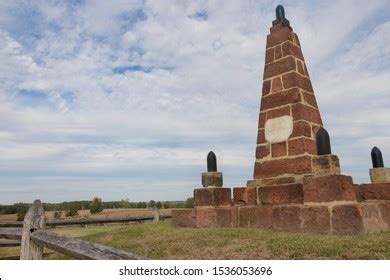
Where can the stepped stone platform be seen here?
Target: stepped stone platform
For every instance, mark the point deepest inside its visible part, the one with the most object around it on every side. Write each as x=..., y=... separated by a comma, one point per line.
x=297, y=183
x=350, y=209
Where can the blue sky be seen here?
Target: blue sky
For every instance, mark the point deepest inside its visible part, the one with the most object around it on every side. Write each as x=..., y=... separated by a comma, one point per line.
x=124, y=99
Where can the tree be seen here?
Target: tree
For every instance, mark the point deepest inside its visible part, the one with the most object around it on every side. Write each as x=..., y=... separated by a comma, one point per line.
x=124, y=203
x=71, y=209
x=158, y=204
x=57, y=215
x=96, y=205
x=152, y=203
x=21, y=209
x=166, y=205
x=189, y=203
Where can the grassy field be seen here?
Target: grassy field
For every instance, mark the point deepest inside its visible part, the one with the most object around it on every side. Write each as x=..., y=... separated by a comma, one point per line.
x=162, y=240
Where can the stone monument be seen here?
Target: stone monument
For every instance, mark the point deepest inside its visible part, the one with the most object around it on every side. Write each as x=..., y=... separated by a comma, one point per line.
x=296, y=185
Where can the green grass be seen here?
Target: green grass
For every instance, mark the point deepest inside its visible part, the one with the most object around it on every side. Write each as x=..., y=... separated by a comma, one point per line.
x=162, y=240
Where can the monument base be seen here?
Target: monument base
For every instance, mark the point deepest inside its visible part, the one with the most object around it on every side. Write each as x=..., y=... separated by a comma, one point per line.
x=325, y=218
x=329, y=204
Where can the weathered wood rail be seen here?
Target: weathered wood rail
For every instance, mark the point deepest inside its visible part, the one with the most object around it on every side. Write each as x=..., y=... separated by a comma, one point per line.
x=34, y=238
x=9, y=243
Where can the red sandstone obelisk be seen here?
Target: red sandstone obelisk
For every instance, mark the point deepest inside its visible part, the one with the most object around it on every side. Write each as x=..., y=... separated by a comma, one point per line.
x=297, y=184
x=289, y=116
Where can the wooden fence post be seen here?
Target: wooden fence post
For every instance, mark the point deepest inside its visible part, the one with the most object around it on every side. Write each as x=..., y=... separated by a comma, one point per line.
x=34, y=219
x=156, y=214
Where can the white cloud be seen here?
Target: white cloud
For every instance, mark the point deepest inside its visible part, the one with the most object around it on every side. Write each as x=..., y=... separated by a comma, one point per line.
x=85, y=123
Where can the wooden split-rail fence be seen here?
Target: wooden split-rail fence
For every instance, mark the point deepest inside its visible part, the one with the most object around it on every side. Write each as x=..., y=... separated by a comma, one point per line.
x=32, y=237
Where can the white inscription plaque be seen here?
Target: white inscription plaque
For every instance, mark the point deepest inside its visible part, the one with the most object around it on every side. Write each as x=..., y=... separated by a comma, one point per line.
x=278, y=129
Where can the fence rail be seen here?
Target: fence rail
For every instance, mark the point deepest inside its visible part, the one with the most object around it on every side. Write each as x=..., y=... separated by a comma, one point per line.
x=9, y=243
x=74, y=222
x=33, y=238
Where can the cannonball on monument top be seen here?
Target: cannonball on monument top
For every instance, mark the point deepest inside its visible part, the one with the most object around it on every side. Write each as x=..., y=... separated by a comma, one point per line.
x=280, y=12
x=378, y=173
x=212, y=178
x=376, y=158
x=211, y=162
x=323, y=142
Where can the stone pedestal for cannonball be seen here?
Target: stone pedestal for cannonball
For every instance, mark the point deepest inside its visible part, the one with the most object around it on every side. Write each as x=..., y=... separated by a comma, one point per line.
x=212, y=179
x=380, y=175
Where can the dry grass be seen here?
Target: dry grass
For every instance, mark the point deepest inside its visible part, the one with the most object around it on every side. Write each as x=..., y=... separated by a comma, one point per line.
x=106, y=213
x=162, y=240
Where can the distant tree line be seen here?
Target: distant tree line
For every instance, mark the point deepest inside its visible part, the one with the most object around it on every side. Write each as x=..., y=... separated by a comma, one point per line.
x=70, y=208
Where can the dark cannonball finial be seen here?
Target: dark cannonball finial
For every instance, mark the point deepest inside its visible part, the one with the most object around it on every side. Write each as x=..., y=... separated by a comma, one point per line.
x=323, y=142
x=280, y=12
x=376, y=157
x=211, y=162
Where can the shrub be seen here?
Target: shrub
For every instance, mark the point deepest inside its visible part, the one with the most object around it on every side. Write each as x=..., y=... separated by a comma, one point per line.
x=151, y=204
x=71, y=210
x=96, y=205
x=189, y=203
x=21, y=209
x=166, y=205
x=57, y=215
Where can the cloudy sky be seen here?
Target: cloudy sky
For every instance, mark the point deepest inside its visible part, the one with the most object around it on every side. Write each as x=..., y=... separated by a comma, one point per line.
x=124, y=99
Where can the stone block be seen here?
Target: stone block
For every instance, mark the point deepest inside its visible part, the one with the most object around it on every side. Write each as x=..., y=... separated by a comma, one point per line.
x=300, y=68
x=279, y=36
x=301, y=128
x=269, y=55
x=271, y=181
x=293, y=79
x=276, y=86
x=303, y=112
x=314, y=129
x=215, y=217
x=212, y=197
x=283, y=194
x=279, y=67
x=277, y=167
x=222, y=197
x=347, y=219
x=328, y=188
x=278, y=52
x=278, y=112
x=301, y=145
x=262, y=118
x=280, y=98
x=212, y=179
x=326, y=165
x=266, y=87
x=296, y=39
x=262, y=151
x=184, y=217
x=289, y=48
x=379, y=191
x=244, y=196
x=372, y=218
x=384, y=207
x=310, y=99
x=261, y=137
x=300, y=218
x=357, y=218
x=256, y=216
x=279, y=149
x=380, y=175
